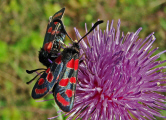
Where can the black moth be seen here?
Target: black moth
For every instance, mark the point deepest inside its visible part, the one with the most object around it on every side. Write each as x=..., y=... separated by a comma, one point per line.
x=54, y=37
x=64, y=89
x=61, y=76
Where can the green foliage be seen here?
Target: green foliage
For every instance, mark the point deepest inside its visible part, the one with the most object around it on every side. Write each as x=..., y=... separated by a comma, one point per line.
x=3, y=51
x=163, y=23
x=13, y=114
x=23, y=25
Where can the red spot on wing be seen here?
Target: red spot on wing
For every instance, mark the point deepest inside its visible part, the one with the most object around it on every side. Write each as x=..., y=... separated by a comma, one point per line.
x=47, y=71
x=53, y=32
x=40, y=91
x=62, y=100
x=49, y=30
x=41, y=81
x=55, y=23
x=76, y=62
x=48, y=46
x=73, y=80
x=64, y=82
x=57, y=32
x=69, y=93
x=58, y=60
x=70, y=64
x=57, y=15
x=49, y=77
x=45, y=46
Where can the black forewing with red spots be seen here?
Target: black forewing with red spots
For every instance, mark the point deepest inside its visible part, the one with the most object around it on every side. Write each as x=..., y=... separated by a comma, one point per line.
x=64, y=89
x=47, y=80
x=53, y=28
x=54, y=37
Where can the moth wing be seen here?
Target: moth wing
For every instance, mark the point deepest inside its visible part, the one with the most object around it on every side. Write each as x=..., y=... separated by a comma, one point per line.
x=51, y=27
x=47, y=80
x=64, y=89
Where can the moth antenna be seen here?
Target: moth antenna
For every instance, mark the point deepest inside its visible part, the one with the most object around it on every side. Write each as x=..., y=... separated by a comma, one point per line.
x=33, y=78
x=94, y=26
x=60, y=21
x=32, y=71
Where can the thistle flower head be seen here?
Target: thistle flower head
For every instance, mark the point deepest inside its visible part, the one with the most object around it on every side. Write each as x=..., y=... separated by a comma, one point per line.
x=119, y=77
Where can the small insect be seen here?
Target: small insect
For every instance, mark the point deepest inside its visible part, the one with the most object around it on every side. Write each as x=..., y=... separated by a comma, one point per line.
x=54, y=37
x=49, y=76
x=61, y=76
x=64, y=89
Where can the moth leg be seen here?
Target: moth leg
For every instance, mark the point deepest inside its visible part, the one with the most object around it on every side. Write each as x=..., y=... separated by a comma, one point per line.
x=82, y=56
x=62, y=43
x=83, y=61
x=59, y=45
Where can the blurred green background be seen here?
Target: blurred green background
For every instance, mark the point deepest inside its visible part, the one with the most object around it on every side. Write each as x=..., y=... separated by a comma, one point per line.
x=22, y=29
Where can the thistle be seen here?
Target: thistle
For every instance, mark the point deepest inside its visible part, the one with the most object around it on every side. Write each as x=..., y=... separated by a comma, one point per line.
x=119, y=77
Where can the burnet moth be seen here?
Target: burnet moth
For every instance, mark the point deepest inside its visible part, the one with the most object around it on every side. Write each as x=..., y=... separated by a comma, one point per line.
x=64, y=89
x=49, y=76
x=54, y=36
x=61, y=75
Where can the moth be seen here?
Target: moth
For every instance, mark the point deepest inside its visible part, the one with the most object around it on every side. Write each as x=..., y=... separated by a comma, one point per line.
x=54, y=37
x=61, y=76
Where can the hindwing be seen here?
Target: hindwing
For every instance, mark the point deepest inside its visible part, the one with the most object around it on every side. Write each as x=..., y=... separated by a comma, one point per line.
x=64, y=89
